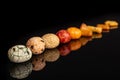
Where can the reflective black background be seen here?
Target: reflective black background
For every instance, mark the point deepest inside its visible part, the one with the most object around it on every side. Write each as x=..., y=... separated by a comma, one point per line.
x=99, y=57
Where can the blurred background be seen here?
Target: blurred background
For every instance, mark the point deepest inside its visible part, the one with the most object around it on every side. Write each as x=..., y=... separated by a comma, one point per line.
x=19, y=20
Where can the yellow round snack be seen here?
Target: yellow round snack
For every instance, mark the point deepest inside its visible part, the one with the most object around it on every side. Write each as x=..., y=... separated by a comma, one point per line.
x=95, y=29
x=111, y=23
x=103, y=26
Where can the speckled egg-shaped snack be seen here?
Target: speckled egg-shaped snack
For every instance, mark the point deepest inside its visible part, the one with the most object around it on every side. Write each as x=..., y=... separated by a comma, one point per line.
x=36, y=44
x=38, y=62
x=51, y=40
x=21, y=70
x=51, y=55
x=19, y=53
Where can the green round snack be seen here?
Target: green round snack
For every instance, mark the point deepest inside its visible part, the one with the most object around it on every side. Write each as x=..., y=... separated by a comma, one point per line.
x=19, y=53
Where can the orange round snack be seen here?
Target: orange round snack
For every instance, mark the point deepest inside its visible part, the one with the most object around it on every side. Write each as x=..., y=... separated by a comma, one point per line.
x=75, y=45
x=74, y=32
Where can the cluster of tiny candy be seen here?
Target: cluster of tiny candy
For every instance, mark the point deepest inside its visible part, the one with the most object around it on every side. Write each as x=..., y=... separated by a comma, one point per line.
x=37, y=45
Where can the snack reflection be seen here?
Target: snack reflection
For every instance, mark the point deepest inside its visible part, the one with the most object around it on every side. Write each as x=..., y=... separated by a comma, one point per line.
x=114, y=27
x=21, y=70
x=38, y=62
x=84, y=40
x=75, y=45
x=106, y=31
x=64, y=49
x=51, y=55
x=96, y=36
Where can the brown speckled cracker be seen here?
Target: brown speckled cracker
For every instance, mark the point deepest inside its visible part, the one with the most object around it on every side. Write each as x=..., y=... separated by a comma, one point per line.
x=36, y=44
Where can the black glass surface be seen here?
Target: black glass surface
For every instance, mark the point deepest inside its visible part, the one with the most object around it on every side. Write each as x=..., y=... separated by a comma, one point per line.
x=98, y=57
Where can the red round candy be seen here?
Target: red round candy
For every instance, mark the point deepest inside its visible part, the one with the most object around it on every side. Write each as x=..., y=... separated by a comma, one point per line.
x=64, y=36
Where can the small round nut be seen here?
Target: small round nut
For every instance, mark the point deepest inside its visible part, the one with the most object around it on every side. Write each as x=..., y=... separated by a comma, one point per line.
x=51, y=40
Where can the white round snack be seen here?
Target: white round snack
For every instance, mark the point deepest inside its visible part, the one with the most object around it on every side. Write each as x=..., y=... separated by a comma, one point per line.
x=19, y=53
x=20, y=71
